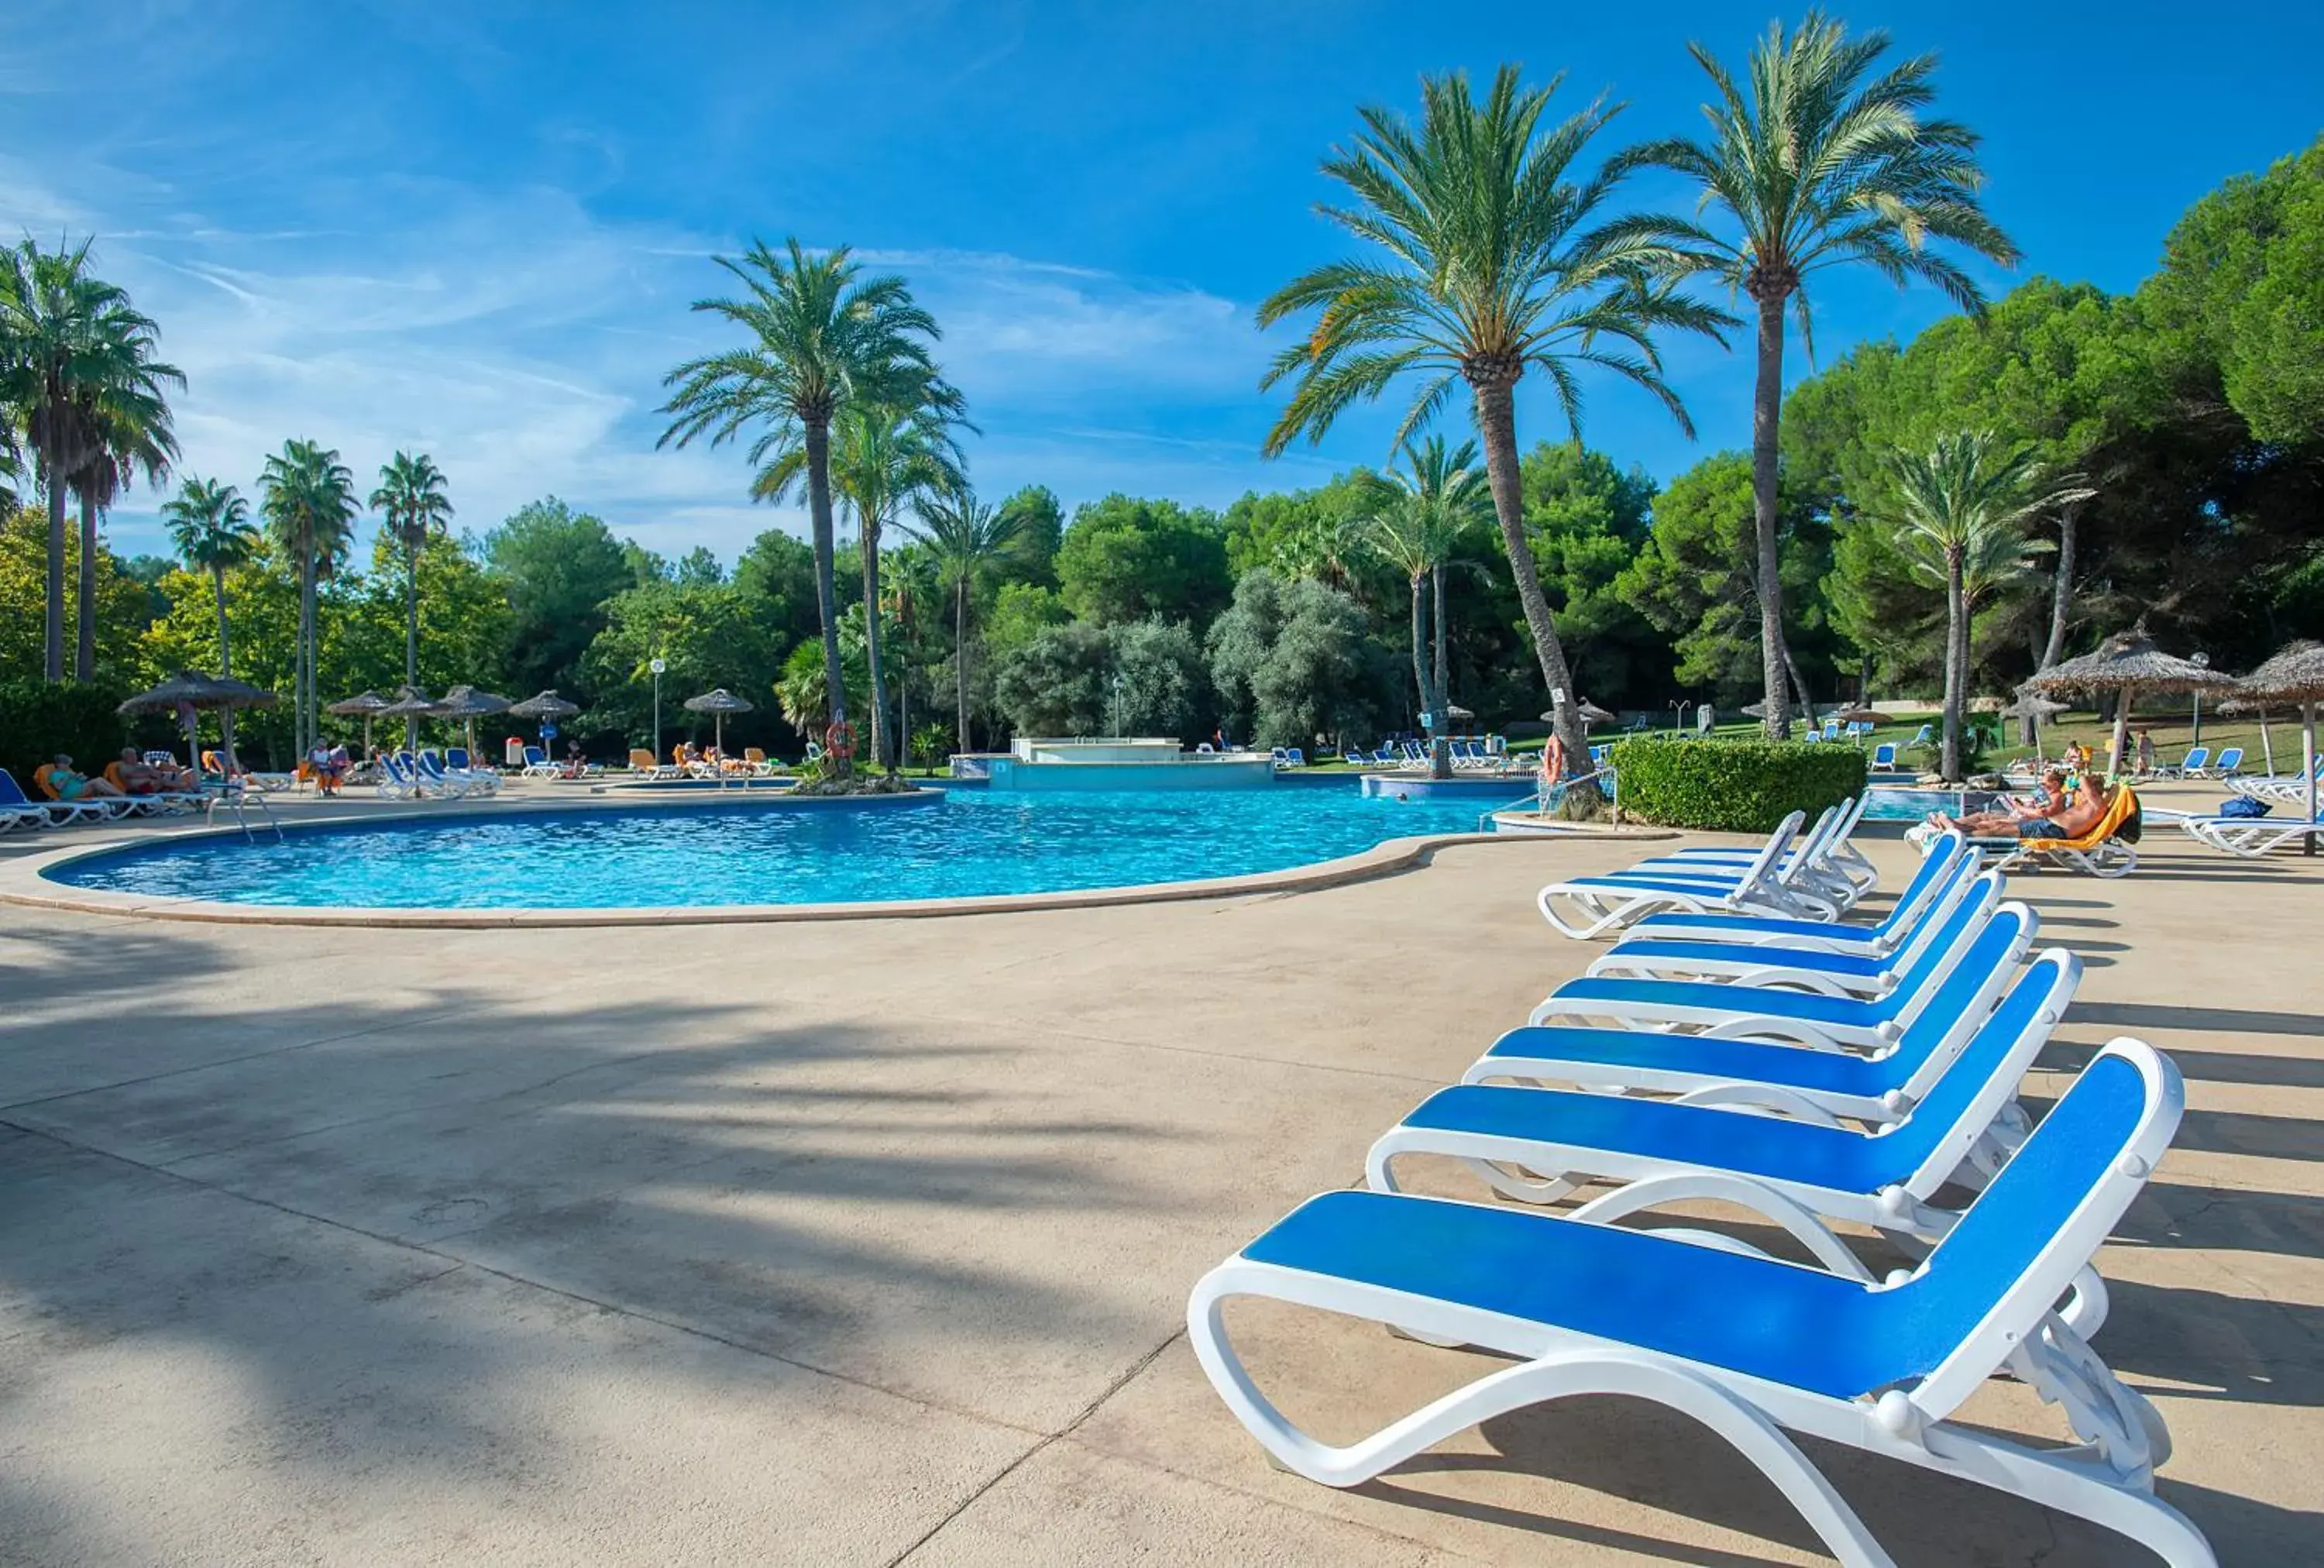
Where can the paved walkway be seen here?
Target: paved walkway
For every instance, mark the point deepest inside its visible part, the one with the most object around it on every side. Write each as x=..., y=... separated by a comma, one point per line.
x=870, y=1243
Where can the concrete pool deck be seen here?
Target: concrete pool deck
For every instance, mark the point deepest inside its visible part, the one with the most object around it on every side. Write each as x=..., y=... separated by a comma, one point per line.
x=870, y=1243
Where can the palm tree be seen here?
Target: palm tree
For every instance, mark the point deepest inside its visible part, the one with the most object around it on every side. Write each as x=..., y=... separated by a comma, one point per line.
x=970, y=541
x=1418, y=518
x=882, y=457
x=411, y=497
x=70, y=343
x=209, y=523
x=1959, y=517
x=1816, y=163
x=127, y=427
x=1491, y=268
x=308, y=498
x=821, y=337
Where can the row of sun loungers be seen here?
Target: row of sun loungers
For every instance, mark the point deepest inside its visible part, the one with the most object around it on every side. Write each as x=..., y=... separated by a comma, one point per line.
x=20, y=810
x=1812, y=1071
x=427, y=775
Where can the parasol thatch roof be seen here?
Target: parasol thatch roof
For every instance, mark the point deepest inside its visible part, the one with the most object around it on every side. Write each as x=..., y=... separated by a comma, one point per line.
x=721, y=701
x=2295, y=674
x=369, y=702
x=547, y=706
x=2126, y=661
x=1860, y=716
x=411, y=702
x=187, y=689
x=2032, y=704
x=465, y=702
x=1455, y=711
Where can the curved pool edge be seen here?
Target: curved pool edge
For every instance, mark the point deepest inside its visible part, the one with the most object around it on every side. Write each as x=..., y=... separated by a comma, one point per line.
x=23, y=882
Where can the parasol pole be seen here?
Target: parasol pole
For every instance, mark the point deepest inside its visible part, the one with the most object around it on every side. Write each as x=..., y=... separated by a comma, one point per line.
x=2308, y=767
x=2121, y=731
x=2266, y=744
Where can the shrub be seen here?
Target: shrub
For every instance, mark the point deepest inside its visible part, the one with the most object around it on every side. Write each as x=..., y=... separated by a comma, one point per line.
x=1732, y=786
x=39, y=718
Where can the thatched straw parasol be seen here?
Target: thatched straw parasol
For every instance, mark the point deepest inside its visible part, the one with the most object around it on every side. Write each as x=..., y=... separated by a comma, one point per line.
x=410, y=704
x=2296, y=675
x=468, y=705
x=1588, y=712
x=186, y=693
x=367, y=706
x=1860, y=716
x=718, y=705
x=2032, y=707
x=2125, y=663
x=544, y=709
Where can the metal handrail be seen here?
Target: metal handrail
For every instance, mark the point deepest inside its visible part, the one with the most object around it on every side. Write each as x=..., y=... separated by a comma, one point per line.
x=1547, y=796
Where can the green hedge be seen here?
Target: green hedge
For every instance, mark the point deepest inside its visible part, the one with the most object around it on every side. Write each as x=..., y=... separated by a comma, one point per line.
x=39, y=718
x=1732, y=786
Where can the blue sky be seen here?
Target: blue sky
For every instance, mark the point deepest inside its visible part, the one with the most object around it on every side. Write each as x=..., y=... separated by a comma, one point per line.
x=475, y=229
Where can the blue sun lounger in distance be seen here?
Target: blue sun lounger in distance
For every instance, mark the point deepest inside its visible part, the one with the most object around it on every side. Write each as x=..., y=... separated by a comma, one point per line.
x=1939, y=858
x=1752, y=1346
x=1833, y=1022
x=1879, y=1085
x=1810, y=969
x=1666, y=1151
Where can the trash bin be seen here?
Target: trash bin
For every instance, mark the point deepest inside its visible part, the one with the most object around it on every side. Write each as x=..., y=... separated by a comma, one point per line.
x=513, y=752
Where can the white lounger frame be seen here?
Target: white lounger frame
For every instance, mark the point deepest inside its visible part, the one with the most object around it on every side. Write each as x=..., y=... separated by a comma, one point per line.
x=2107, y=1478
x=1777, y=967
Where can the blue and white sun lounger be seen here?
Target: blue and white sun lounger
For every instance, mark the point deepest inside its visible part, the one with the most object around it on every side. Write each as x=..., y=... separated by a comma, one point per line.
x=1668, y=1150
x=1833, y=864
x=1586, y=907
x=1752, y=1346
x=1877, y=1086
x=1946, y=859
x=1858, y=973
x=18, y=810
x=1832, y=1022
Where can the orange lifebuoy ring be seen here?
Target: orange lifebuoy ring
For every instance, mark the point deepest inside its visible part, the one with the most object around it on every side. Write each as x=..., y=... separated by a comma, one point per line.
x=839, y=740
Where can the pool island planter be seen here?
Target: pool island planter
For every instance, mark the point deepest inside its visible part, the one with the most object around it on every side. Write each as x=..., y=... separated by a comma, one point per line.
x=24, y=882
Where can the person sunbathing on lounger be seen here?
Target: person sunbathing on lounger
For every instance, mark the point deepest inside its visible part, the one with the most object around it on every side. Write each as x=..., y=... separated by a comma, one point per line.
x=68, y=785
x=2047, y=801
x=2071, y=815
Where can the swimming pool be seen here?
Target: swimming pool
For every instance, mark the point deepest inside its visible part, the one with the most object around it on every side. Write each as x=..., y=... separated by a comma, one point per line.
x=1885, y=803
x=968, y=842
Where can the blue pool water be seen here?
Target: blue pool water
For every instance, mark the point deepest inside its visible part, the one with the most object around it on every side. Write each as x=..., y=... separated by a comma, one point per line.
x=972, y=843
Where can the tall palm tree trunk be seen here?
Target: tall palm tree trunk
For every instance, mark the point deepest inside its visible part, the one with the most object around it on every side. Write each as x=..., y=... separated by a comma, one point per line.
x=1420, y=653
x=1767, y=412
x=2062, y=589
x=826, y=586
x=52, y=660
x=960, y=653
x=1432, y=696
x=1443, y=672
x=308, y=640
x=85, y=646
x=410, y=615
x=1956, y=665
x=1439, y=767
x=869, y=532
x=225, y=668
x=1497, y=422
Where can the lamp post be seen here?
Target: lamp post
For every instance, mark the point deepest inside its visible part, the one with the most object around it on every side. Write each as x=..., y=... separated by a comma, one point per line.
x=2205, y=660
x=658, y=665
x=1113, y=709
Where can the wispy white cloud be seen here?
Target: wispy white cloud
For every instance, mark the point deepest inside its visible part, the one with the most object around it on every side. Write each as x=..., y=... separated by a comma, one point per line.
x=522, y=339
